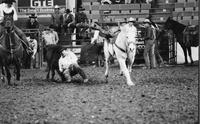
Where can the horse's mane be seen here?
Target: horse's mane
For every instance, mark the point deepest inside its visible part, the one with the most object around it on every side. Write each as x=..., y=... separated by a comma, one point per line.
x=176, y=26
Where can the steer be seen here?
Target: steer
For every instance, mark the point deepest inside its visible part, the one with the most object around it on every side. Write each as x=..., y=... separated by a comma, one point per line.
x=53, y=53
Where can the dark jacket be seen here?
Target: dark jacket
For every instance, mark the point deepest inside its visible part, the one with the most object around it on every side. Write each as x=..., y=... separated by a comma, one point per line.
x=81, y=17
x=67, y=19
x=149, y=34
x=33, y=25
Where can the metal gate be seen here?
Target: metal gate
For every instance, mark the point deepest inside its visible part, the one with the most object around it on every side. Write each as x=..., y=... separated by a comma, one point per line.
x=172, y=48
x=38, y=36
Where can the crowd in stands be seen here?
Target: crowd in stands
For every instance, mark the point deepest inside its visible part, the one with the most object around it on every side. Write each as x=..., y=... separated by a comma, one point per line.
x=123, y=1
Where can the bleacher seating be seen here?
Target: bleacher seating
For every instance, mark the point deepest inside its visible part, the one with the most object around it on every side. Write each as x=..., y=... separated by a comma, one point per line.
x=185, y=11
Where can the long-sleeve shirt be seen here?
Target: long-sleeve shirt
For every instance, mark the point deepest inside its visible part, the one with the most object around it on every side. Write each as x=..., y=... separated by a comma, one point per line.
x=131, y=32
x=33, y=45
x=81, y=17
x=6, y=9
x=50, y=37
x=66, y=60
x=56, y=19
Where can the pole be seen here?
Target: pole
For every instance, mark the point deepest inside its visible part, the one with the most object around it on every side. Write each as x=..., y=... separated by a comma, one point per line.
x=199, y=67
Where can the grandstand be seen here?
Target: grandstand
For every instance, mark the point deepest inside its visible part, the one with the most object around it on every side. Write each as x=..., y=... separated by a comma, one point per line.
x=185, y=11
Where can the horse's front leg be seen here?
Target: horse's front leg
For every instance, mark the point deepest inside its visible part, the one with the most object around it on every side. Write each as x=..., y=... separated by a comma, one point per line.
x=125, y=71
x=3, y=73
x=107, y=67
x=17, y=66
x=8, y=75
x=131, y=57
x=190, y=54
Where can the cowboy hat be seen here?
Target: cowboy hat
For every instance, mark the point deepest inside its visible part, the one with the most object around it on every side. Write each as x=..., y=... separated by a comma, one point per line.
x=147, y=21
x=57, y=7
x=67, y=11
x=131, y=19
x=33, y=15
x=8, y=1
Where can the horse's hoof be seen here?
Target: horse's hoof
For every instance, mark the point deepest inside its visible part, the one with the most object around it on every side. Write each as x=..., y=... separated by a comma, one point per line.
x=106, y=76
x=85, y=80
x=3, y=79
x=130, y=84
x=69, y=81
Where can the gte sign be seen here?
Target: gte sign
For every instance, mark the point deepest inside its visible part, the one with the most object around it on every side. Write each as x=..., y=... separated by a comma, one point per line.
x=41, y=3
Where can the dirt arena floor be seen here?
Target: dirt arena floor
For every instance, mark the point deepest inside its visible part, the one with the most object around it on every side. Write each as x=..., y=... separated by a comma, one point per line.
x=167, y=95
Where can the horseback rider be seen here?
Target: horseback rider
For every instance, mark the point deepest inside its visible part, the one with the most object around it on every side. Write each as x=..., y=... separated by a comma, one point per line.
x=131, y=30
x=7, y=7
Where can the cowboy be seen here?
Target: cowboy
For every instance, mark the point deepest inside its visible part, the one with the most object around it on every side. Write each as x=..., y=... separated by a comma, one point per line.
x=157, y=30
x=68, y=22
x=81, y=22
x=131, y=30
x=149, y=50
x=56, y=19
x=68, y=65
x=31, y=58
x=32, y=22
x=7, y=7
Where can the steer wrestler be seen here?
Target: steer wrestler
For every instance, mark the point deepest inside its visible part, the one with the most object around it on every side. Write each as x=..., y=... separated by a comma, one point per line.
x=68, y=65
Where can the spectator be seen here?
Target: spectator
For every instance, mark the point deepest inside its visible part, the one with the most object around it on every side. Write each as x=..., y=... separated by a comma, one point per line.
x=148, y=1
x=119, y=1
x=68, y=22
x=50, y=37
x=128, y=1
x=32, y=22
x=31, y=59
x=106, y=2
x=56, y=19
x=149, y=51
x=81, y=21
x=68, y=65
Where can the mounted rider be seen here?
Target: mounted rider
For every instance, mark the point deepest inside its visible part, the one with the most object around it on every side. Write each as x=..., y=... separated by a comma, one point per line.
x=131, y=30
x=7, y=7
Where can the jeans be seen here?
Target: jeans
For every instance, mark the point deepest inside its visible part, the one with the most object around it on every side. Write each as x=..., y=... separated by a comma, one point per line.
x=149, y=54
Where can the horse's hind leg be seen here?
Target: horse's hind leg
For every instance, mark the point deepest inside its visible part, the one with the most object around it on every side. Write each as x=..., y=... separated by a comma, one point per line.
x=62, y=76
x=190, y=54
x=185, y=54
x=48, y=69
x=53, y=73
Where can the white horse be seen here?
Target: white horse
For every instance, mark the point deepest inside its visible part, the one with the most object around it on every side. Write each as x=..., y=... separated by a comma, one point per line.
x=121, y=48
